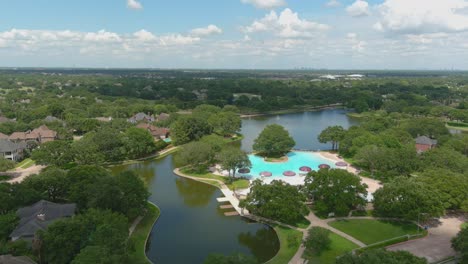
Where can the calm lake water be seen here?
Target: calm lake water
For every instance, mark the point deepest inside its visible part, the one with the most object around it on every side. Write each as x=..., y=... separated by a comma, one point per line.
x=191, y=225
x=303, y=127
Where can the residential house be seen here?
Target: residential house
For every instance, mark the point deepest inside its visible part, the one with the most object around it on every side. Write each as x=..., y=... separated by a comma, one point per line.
x=12, y=150
x=141, y=117
x=3, y=136
x=44, y=134
x=424, y=143
x=38, y=217
x=157, y=132
x=41, y=134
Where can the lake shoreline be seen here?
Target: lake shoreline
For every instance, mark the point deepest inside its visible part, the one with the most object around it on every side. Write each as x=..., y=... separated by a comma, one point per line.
x=292, y=110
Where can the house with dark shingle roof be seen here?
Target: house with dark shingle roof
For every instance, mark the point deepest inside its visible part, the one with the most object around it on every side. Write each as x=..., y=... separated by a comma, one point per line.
x=12, y=150
x=38, y=217
x=424, y=143
x=141, y=117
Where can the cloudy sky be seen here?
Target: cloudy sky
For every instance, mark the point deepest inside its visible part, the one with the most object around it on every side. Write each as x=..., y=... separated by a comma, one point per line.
x=267, y=34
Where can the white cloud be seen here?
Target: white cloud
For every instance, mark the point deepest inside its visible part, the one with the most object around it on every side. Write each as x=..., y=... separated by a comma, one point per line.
x=178, y=39
x=333, y=3
x=144, y=35
x=265, y=4
x=423, y=16
x=356, y=44
x=134, y=4
x=100, y=36
x=286, y=25
x=207, y=31
x=359, y=8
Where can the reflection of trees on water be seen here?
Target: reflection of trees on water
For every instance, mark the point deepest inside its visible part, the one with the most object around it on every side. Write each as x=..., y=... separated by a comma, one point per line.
x=195, y=194
x=263, y=244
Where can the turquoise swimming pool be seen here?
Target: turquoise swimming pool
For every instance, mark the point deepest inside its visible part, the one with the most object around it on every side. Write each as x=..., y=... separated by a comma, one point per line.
x=296, y=160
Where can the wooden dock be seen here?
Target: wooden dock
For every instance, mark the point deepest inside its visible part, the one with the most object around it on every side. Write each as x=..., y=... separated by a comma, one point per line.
x=233, y=213
x=222, y=199
x=227, y=206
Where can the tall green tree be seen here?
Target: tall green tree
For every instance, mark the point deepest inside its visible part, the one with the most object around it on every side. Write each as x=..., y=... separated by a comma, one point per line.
x=56, y=153
x=277, y=200
x=408, y=199
x=189, y=128
x=138, y=143
x=274, y=140
x=335, y=191
x=225, y=123
x=232, y=159
x=333, y=134
x=451, y=187
x=317, y=241
x=197, y=156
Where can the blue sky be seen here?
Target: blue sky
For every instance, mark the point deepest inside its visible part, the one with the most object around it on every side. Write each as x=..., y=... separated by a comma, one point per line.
x=272, y=34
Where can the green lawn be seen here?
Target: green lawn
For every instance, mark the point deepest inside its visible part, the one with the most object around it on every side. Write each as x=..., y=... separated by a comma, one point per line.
x=141, y=233
x=237, y=184
x=290, y=240
x=372, y=231
x=26, y=163
x=338, y=247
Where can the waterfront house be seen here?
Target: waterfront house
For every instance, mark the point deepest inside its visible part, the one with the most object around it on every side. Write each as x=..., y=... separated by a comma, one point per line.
x=38, y=217
x=157, y=132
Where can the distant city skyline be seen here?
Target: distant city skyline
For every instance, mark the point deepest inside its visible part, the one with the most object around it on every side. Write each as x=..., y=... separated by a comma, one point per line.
x=235, y=34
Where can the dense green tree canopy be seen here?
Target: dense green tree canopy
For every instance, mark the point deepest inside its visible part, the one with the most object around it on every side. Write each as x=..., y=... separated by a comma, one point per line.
x=277, y=200
x=138, y=142
x=196, y=156
x=333, y=134
x=233, y=159
x=189, y=128
x=460, y=244
x=318, y=240
x=451, y=187
x=335, y=191
x=408, y=199
x=274, y=140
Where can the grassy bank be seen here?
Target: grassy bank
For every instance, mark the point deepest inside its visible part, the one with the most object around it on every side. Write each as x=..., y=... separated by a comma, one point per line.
x=372, y=231
x=26, y=163
x=339, y=246
x=205, y=177
x=290, y=240
x=141, y=234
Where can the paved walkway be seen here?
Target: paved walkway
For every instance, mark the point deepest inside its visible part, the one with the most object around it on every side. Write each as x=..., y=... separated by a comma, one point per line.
x=437, y=245
x=24, y=173
x=134, y=225
x=315, y=221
